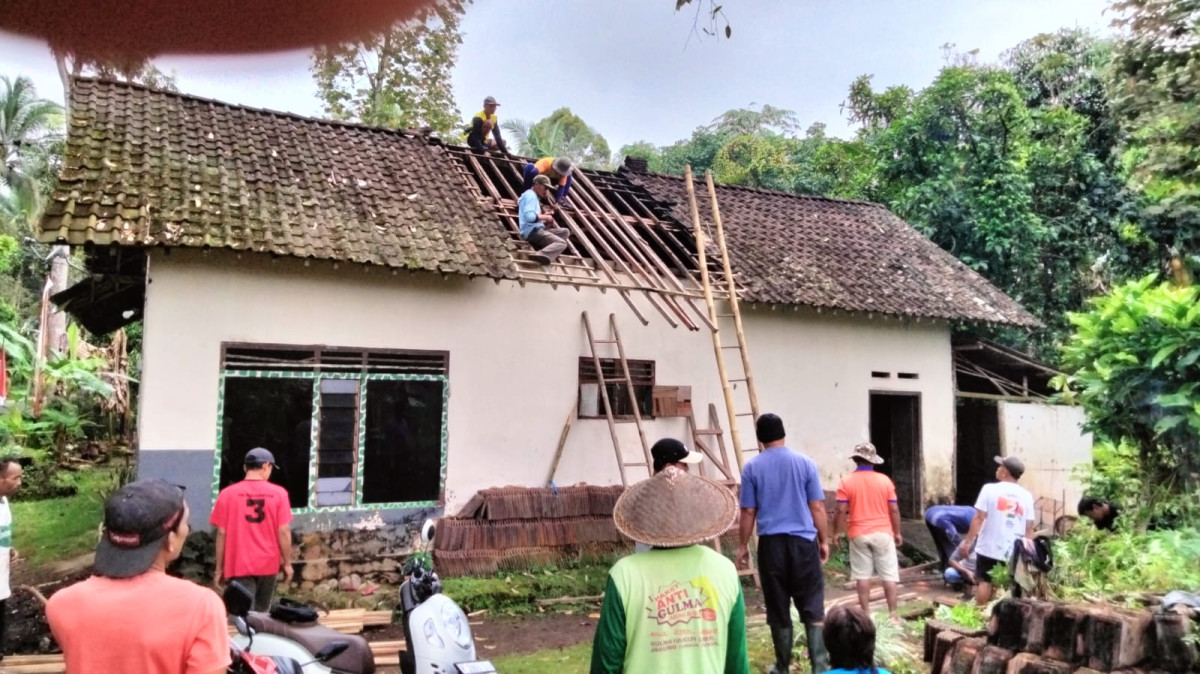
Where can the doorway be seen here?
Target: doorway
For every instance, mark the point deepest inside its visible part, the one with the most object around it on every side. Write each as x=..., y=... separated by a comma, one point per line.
x=978, y=430
x=896, y=434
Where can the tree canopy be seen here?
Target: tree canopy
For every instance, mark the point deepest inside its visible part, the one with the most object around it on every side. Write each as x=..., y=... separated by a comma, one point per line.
x=561, y=134
x=399, y=78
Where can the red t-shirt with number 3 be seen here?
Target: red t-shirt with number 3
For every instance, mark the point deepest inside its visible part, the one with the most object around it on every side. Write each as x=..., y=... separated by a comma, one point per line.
x=251, y=512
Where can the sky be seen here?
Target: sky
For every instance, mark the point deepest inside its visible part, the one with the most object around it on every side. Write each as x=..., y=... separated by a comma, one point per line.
x=634, y=70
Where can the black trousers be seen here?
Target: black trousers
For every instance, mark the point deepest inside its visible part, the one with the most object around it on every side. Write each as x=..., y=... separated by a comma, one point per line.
x=790, y=568
x=262, y=587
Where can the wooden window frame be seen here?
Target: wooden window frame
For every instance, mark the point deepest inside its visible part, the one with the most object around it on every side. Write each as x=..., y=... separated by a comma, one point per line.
x=642, y=373
x=337, y=370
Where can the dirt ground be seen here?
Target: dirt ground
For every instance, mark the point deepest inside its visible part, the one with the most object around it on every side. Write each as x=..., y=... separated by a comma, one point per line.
x=25, y=625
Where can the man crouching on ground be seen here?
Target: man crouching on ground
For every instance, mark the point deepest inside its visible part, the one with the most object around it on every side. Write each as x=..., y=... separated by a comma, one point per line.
x=131, y=616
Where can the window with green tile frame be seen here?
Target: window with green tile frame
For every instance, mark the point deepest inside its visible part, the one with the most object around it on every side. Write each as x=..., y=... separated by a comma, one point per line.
x=350, y=428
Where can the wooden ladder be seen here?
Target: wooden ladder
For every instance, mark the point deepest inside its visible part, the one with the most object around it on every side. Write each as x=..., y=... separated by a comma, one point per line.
x=622, y=464
x=735, y=412
x=732, y=410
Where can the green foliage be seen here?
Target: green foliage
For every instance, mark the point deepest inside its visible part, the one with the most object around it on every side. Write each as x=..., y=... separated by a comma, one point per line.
x=1155, y=83
x=1011, y=167
x=397, y=78
x=1135, y=358
x=896, y=647
x=576, y=658
x=1093, y=563
x=63, y=527
x=561, y=134
x=965, y=614
x=516, y=592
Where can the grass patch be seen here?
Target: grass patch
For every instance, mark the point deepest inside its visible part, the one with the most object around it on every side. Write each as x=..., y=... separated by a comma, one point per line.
x=62, y=528
x=516, y=592
x=577, y=658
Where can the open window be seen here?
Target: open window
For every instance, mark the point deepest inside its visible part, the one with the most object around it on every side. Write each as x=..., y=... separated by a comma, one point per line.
x=591, y=402
x=348, y=428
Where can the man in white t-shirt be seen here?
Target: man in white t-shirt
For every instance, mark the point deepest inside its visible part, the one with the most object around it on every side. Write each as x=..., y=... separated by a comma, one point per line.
x=1003, y=515
x=10, y=481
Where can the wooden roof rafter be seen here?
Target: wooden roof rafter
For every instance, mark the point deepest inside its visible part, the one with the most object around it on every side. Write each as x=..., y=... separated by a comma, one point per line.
x=621, y=238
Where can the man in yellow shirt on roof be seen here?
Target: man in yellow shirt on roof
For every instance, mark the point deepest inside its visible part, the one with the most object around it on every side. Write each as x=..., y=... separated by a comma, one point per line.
x=484, y=123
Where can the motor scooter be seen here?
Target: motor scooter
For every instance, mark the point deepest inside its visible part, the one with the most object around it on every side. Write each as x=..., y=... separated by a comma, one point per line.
x=436, y=631
x=312, y=647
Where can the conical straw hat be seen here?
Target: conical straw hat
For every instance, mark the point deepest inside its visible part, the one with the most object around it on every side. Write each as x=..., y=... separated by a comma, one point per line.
x=674, y=509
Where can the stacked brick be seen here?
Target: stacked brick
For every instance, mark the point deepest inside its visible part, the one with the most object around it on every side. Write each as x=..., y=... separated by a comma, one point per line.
x=1036, y=637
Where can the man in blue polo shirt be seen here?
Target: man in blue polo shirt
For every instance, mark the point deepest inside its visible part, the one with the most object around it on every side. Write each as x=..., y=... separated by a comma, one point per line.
x=781, y=491
x=549, y=244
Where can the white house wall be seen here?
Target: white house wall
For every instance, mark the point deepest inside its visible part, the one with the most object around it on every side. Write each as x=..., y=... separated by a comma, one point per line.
x=513, y=355
x=1051, y=441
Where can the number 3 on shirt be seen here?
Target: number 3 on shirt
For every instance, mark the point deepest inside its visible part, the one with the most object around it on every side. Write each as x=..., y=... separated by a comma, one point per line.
x=256, y=514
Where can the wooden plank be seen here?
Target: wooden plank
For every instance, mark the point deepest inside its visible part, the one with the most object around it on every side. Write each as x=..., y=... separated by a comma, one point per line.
x=562, y=439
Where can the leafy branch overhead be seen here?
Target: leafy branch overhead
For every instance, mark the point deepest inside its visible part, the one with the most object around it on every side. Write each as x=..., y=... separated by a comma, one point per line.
x=715, y=12
x=398, y=78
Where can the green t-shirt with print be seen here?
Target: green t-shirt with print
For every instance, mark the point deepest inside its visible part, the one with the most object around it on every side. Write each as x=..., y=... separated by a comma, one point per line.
x=672, y=610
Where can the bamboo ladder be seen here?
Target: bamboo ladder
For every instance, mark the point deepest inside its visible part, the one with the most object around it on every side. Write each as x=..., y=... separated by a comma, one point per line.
x=719, y=347
x=622, y=464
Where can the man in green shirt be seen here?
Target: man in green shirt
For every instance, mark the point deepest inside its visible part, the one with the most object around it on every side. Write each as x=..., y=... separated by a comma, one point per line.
x=677, y=607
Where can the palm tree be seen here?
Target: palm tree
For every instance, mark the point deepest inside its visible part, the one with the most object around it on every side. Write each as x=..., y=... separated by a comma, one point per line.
x=26, y=121
x=550, y=139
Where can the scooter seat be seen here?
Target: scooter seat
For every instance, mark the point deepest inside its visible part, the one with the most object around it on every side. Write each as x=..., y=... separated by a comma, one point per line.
x=314, y=636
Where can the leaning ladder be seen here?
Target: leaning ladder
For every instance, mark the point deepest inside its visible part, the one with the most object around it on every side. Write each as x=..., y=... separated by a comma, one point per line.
x=740, y=449
x=622, y=464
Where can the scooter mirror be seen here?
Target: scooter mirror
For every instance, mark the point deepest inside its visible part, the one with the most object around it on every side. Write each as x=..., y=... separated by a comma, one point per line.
x=331, y=651
x=238, y=599
x=427, y=531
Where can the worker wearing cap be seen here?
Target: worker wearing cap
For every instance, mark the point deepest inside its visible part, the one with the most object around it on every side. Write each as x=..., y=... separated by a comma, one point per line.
x=557, y=169
x=484, y=123
x=131, y=616
x=551, y=243
x=254, y=539
x=1003, y=515
x=669, y=452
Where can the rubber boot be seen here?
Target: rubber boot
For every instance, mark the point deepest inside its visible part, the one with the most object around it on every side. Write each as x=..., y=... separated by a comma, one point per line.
x=781, y=637
x=817, y=655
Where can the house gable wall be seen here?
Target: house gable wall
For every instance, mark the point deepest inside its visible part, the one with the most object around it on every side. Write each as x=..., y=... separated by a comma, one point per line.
x=513, y=367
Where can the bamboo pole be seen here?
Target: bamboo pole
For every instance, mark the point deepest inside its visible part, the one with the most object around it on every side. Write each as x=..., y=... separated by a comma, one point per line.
x=731, y=412
x=733, y=299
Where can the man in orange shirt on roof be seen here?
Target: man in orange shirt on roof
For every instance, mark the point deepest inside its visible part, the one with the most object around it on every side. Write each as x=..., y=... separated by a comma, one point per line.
x=557, y=169
x=868, y=501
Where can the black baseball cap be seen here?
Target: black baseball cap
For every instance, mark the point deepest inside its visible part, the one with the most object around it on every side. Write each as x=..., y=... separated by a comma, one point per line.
x=1013, y=465
x=670, y=450
x=258, y=456
x=136, y=519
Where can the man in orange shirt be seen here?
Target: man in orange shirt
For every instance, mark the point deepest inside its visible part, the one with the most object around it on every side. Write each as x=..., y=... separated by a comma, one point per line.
x=868, y=500
x=254, y=539
x=131, y=616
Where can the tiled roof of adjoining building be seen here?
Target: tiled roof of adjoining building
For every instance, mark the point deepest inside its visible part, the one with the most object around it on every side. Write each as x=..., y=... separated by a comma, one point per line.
x=838, y=254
